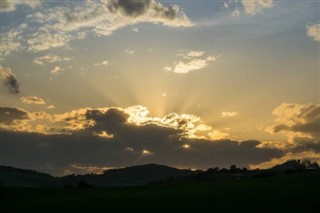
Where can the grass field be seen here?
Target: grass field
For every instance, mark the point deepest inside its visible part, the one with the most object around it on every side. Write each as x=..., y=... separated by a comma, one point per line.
x=298, y=192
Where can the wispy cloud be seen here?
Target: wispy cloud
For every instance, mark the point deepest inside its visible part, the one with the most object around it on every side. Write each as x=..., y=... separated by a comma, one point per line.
x=56, y=70
x=135, y=29
x=12, y=40
x=236, y=12
x=46, y=39
x=32, y=100
x=253, y=7
x=9, y=5
x=229, y=114
x=50, y=58
x=190, y=65
x=130, y=52
x=313, y=31
x=280, y=17
x=51, y=106
x=68, y=22
x=194, y=53
x=190, y=61
x=167, y=69
x=102, y=63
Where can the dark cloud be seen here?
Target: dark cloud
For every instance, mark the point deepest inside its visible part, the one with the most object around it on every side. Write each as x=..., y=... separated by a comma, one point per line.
x=135, y=8
x=131, y=144
x=312, y=128
x=114, y=121
x=116, y=137
x=9, y=80
x=298, y=119
x=110, y=121
x=8, y=115
x=132, y=8
x=36, y=151
x=169, y=12
x=306, y=144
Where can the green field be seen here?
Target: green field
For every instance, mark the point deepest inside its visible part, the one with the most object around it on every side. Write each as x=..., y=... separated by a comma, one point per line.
x=298, y=192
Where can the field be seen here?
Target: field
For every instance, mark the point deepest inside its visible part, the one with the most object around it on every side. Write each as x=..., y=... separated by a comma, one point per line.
x=298, y=192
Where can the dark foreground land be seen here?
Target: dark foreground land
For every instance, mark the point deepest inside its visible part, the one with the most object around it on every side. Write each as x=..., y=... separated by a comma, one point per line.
x=298, y=192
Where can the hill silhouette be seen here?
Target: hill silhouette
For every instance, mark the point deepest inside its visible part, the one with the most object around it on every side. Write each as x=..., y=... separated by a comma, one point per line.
x=143, y=174
x=283, y=192
x=129, y=176
x=10, y=176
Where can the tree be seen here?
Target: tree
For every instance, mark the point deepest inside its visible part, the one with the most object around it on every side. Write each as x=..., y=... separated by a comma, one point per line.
x=233, y=167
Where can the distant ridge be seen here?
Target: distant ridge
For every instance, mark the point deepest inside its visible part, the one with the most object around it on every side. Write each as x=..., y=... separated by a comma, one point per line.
x=10, y=176
x=128, y=176
x=134, y=175
x=141, y=175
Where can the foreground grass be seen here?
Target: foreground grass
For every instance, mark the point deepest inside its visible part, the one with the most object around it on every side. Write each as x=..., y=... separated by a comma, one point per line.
x=282, y=193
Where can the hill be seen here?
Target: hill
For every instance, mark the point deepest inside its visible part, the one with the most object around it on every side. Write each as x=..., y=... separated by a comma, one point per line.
x=143, y=174
x=10, y=176
x=129, y=176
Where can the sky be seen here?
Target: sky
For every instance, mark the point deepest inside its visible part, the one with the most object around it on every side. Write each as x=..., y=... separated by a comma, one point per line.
x=96, y=84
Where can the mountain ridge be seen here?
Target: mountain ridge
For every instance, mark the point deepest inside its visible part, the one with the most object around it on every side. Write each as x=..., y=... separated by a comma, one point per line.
x=142, y=175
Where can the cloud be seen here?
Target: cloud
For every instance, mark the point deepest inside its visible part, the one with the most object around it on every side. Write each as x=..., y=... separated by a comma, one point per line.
x=51, y=106
x=253, y=7
x=41, y=151
x=20, y=120
x=135, y=29
x=117, y=137
x=9, y=5
x=32, y=100
x=191, y=60
x=235, y=13
x=313, y=31
x=310, y=155
x=56, y=70
x=146, y=152
x=130, y=8
x=103, y=63
x=195, y=53
x=167, y=69
x=9, y=80
x=11, y=40
x=297, y=121
x=112, y=121
x=10, y=114
x=150, y=10
x=50, y=58
x=186, y=67
x=136, y=139
x=130, y=52
x=47, y=38
x=81, y=35
x=228, y=114
x=68, y=22
x=217, y=135
x=85, y=169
